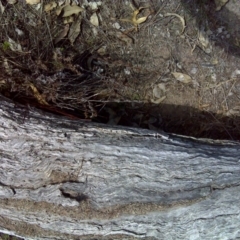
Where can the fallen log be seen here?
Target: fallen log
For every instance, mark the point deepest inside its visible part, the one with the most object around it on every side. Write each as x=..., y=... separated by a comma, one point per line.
x=70, y=179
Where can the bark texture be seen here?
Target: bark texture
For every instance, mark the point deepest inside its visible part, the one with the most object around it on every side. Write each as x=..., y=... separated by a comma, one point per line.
x=64, y=179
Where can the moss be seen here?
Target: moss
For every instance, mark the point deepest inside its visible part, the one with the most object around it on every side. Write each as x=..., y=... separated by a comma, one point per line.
x=6, y=46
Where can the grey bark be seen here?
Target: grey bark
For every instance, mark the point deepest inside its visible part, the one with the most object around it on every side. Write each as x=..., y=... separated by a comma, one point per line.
x=65, y=179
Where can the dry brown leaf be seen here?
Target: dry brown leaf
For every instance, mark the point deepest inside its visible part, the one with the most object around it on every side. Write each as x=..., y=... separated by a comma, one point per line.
x=220, y=4
x=158, y=100
x=31, y=2
x=95, y=22
x=8, y=69
x=235, y=111
x=71, y=10
x=140, y=20
x=159, y=90
x=134, y=20
x=67, y=2
x=204, y=41
x=74, y=3
x=158, y=93
x=181, y=77
x=61, y=2
x=75, y=30
x=2, y=83
x=181, y=19
x=12, y=1
x=2, y=8
x=62, y=34
x=59, y=10
x=94, y=19
x=37, y=95
x=69, y=19
x=102, y=50
x=50, y=6
x=203, y=106
x=16, y=47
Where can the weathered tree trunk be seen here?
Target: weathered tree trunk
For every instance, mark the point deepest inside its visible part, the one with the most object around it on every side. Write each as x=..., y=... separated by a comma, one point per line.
x=63, y=179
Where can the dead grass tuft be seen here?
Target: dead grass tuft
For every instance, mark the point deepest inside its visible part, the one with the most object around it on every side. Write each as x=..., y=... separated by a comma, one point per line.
x=44, y=66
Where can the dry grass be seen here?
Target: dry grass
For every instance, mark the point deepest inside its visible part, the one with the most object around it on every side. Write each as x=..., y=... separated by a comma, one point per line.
x=112, y=71
x=119, y=73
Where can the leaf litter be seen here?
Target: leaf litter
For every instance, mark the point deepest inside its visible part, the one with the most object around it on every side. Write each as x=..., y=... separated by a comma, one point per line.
x=89, y=48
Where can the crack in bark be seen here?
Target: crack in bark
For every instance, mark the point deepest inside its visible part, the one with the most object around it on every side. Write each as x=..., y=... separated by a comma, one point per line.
x=74, y=195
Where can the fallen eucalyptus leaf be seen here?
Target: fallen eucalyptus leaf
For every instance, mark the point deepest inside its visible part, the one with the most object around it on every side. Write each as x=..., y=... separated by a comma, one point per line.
x=59, y=10
x=70, y=10
x=94, y=19
x=2, y=8
x=67, y=2
x=31, y=2
x=2, y=83
x=8, y=69
x=102, y=50
x=74, y=3
x=12, y=1
x=204, y=41
x=62, y=34
x=181, y=19
x=19, y=32
x=75, y=30
x=16, y=47
x=37, y=95
x=61, y=2
x=158, y=90
x=134, y=20
x=235, y=111
x=50, y=6
x=181, y=77
x=158, y=100
x=69, y=19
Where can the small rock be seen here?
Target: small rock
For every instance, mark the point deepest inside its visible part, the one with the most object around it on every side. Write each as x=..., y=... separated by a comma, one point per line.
x=116, y=25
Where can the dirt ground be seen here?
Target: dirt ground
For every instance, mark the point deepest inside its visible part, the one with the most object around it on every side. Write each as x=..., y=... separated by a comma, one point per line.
x=164, y=65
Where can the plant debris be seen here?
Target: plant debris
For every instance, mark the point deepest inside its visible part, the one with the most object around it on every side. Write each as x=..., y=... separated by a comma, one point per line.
x=128, y=63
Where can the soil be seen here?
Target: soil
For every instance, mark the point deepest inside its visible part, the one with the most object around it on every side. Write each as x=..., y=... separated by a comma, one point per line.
x=161, y=74
x=207, y=51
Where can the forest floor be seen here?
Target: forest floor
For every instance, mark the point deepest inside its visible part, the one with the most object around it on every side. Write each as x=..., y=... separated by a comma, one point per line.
x=169, y=65
x=164, y=65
